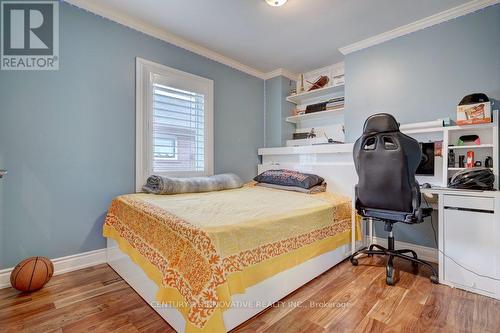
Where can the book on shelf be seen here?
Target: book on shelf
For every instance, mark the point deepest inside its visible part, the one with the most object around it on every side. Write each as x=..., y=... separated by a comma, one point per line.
x=331, y=104
x=335, y=107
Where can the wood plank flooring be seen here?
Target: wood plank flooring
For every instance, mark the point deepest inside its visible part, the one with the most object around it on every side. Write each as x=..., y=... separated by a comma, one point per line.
x=344, y=299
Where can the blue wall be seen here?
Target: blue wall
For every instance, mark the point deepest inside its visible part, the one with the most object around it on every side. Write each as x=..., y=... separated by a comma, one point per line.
x=68, y=137
x=277, y=109
x=423, y=76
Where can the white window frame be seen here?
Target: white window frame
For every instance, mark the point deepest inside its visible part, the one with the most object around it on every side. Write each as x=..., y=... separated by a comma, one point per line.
x=144, y=118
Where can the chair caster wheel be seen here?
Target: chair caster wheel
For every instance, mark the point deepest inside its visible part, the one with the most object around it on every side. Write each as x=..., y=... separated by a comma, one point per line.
x=354, y=261
x=434, y=279
x=390, y=281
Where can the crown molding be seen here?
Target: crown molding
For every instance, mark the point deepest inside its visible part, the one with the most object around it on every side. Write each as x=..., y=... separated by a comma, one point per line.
x=281, y=72
x=165, y=36
x=441, y=17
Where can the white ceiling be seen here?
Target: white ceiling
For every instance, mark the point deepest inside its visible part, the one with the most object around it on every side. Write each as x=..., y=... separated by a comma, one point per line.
x=300, y=36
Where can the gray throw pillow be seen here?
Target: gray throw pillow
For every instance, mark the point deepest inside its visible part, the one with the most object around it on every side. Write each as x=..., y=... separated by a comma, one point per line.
x=170, y=185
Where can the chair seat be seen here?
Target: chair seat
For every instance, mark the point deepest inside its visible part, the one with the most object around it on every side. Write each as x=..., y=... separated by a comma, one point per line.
x=384, y=215
x=392, y=216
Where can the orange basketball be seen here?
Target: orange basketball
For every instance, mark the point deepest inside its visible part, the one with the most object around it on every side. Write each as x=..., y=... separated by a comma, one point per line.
x=31, y=274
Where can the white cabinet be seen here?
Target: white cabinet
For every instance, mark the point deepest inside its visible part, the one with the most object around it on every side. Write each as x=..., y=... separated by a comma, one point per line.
x=469, y=237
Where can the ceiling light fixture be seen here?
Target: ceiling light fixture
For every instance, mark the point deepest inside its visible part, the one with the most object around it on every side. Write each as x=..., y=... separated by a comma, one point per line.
x=276, y=3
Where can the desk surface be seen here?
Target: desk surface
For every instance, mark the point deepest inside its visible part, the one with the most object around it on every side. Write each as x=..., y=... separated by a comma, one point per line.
x=445, y=190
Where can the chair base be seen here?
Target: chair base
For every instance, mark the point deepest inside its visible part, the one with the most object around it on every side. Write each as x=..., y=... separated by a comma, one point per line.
x=375, y=249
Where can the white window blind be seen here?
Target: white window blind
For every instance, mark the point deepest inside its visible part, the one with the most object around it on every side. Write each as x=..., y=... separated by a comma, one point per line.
x=174, y=123
x=178, y=129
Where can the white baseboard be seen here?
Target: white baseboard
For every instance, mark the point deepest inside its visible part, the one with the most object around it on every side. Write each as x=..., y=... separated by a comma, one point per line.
x=64, y=264
x=423, y=252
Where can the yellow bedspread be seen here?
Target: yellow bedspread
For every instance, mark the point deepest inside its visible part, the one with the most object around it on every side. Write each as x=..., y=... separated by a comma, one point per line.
x=201, y=248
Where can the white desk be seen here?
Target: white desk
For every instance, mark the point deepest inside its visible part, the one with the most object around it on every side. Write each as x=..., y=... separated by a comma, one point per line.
x=468, y=221
x=468, y=236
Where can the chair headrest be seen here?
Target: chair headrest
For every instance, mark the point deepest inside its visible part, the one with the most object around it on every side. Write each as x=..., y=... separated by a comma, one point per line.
x=380, y=122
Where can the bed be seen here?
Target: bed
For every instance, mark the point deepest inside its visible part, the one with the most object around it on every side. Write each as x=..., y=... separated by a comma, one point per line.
x=206, y=262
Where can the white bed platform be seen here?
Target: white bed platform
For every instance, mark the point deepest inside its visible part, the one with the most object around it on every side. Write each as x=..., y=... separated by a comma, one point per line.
x=332, y=162
x=245, y=306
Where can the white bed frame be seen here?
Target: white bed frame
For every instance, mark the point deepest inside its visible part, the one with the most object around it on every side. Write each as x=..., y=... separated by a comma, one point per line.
x=257, y=297
x=336, y=167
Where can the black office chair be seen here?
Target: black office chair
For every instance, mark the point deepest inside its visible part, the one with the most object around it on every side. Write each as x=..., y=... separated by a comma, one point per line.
x=386, y=161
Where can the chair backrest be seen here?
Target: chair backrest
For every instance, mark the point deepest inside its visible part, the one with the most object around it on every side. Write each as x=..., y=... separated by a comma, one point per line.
x=386, y=161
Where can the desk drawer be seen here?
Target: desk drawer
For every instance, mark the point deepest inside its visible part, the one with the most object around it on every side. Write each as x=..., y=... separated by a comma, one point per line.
x=468, y=202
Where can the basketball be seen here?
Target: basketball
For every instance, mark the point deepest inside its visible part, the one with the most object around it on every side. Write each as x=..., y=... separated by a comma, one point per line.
x=31, y=274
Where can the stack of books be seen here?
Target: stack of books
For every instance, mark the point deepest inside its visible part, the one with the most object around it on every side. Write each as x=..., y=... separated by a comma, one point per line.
x=335, y=103
x=332, y=104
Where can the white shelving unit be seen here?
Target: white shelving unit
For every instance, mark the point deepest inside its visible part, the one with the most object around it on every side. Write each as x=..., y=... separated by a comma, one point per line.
x=328, y=123
x=302, y=98
x=488, y=134
x=314, y=115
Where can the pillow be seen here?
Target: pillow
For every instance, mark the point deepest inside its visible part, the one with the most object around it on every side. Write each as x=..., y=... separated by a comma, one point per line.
x=315, y=189
x=289, y=178
x=169, y=185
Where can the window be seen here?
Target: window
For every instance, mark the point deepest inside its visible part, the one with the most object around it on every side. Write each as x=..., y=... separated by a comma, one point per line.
x=165, y=148
x=174, y=123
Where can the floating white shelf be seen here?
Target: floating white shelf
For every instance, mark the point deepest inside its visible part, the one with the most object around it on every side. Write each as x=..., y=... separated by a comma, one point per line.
x=423, y=130
x=314, y=115
x=341, y=148
x=471, y=146
x=471, y=127
x=308, y=95
x=448, y=128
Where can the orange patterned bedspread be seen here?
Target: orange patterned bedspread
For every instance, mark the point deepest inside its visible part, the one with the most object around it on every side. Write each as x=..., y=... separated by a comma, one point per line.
x=206, y=247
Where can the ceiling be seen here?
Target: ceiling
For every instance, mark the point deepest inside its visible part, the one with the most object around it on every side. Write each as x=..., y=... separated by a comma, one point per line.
x=301, y=35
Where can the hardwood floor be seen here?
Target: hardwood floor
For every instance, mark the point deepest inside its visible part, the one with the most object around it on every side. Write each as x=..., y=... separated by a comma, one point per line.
x=344, y=299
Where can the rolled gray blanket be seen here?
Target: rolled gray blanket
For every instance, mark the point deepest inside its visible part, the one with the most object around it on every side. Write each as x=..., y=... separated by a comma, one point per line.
x=170, y=185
